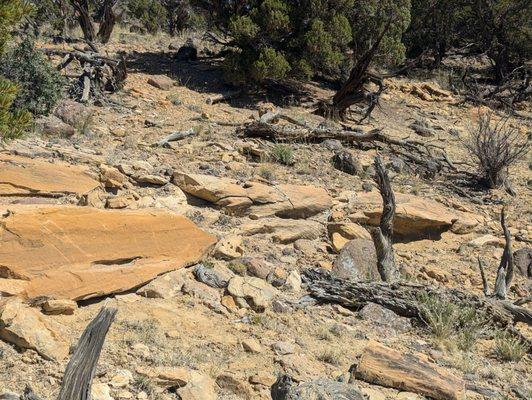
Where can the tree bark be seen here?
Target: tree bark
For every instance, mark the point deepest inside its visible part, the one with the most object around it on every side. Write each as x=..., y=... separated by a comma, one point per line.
x=108, y=21
x=80, y=370
x=383, y=235
x=505, y=273
x=84, y=18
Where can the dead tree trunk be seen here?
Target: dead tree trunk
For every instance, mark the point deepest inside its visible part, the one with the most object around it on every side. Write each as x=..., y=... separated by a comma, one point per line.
x=108, y=20
x=382, y=236
x=79, y=372
x=84, y=18
x=353, y=91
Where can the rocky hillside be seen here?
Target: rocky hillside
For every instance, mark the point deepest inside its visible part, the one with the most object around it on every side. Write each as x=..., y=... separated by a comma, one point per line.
x=203, y=243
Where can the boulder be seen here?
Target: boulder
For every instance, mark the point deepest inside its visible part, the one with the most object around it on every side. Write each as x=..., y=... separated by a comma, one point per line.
x=416, y=217
x=73, y=113
x=101, y=391
x=323, y=389
x=27, y=328
x=256, y=199
x=257, y=292
x=165, y=286
x=252, y=346
x=522, y=260
x=22, y=176
x=77, y=253
x=112, y=178
x=54, y=126
x=162, y=82
x=341, y=233
x=284, y=230
x=385, y=319
x=357, y=260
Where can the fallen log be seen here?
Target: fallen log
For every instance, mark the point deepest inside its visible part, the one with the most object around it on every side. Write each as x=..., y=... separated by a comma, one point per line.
x=224, y=97
x=387, y=367
x=402, y=297
x=80, y=370
x=176, y=136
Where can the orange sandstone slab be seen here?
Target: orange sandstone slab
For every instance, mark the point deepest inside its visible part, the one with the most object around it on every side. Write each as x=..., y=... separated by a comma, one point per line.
x=76, y=253
x=21, y=176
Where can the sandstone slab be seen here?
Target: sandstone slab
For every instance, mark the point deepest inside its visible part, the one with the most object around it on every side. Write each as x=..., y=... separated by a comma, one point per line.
x=22, y=176
x=284, y=230
x=27, y=328
x=77, y=253
x=415, y=216
x=256, y=199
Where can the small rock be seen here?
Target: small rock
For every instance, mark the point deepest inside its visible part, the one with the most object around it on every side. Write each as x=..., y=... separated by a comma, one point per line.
x=357, y=260
x=152, y=179
x=54, y=126
x=101, y=391
x=162, y=82
x=487, y=240
x=9, y=396
x=523, y=261
x=229, y=248
x=257, y=292
x=252, y=346
x=283, y=348
x=165, y=286
x=280, y=307
x=211, y=276
x=382, y=317
x=293, y=281
x=124, y=394
x=257, y=267
x=63, y=306
x=121, y=379
x=277, y=277
x=233, y=384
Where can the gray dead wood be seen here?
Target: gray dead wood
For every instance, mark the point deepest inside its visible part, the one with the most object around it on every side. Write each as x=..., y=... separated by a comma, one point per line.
x=402, y=297
x=176, y=136
x=383, y=234
x=224, y=97
x=80, y=370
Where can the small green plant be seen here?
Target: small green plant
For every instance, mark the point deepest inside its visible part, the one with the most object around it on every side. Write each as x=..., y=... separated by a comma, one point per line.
x=330, y=356
x=40, y=85
x=282, y=154
x=509, y=347
x=266, y=173
x=145, y=384
x=451, y=324
x=13, y=123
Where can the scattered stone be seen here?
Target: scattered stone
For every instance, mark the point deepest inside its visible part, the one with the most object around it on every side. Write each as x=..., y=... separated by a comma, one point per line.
x=198, y=387
x=341, y=233
x=27, y=328
x=162, y=82
x=62, y=306
x=384, y=318
x=357, y=260
x=262, y=379
x=344, y=161
x=121, y=379
x=322, y=389
x=165, y=286
x=522, y=260
x=293, y=281
x=235, y=385
x=54, y=126
x=257, y=267
x=73, y=113
x=257, y=292
x=229, y=248
x=112, y=178
x=152, y=179
x=283, y=348
x=211, y=276
x=487, y=240
x=252, y=346
x=280, y=307
x=101, y=391
x=284, y=230
x=103, y=252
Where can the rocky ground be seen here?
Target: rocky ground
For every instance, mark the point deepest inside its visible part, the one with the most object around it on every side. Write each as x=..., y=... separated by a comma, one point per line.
x=200, y=244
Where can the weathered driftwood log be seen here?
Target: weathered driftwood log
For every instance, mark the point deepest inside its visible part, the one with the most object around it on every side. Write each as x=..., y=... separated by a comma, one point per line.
x=402, y=297
x=383, y=235
x=384, y=366
x=80, y=370
x=176, y=136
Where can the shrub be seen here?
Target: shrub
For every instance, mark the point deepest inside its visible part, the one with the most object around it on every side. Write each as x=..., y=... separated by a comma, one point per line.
x=508, y=347
x=151, y=14
x=330, y=356
x=495, y=147
x=13, y=123
x=452, y=323
x=11, y=12
x=40, y=85
x=282, y=154
x=277, y=39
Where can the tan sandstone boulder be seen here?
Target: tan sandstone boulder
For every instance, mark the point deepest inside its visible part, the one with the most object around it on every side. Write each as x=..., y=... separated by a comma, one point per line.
x=26, y=176
x=78, y=253
x=27, y=328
